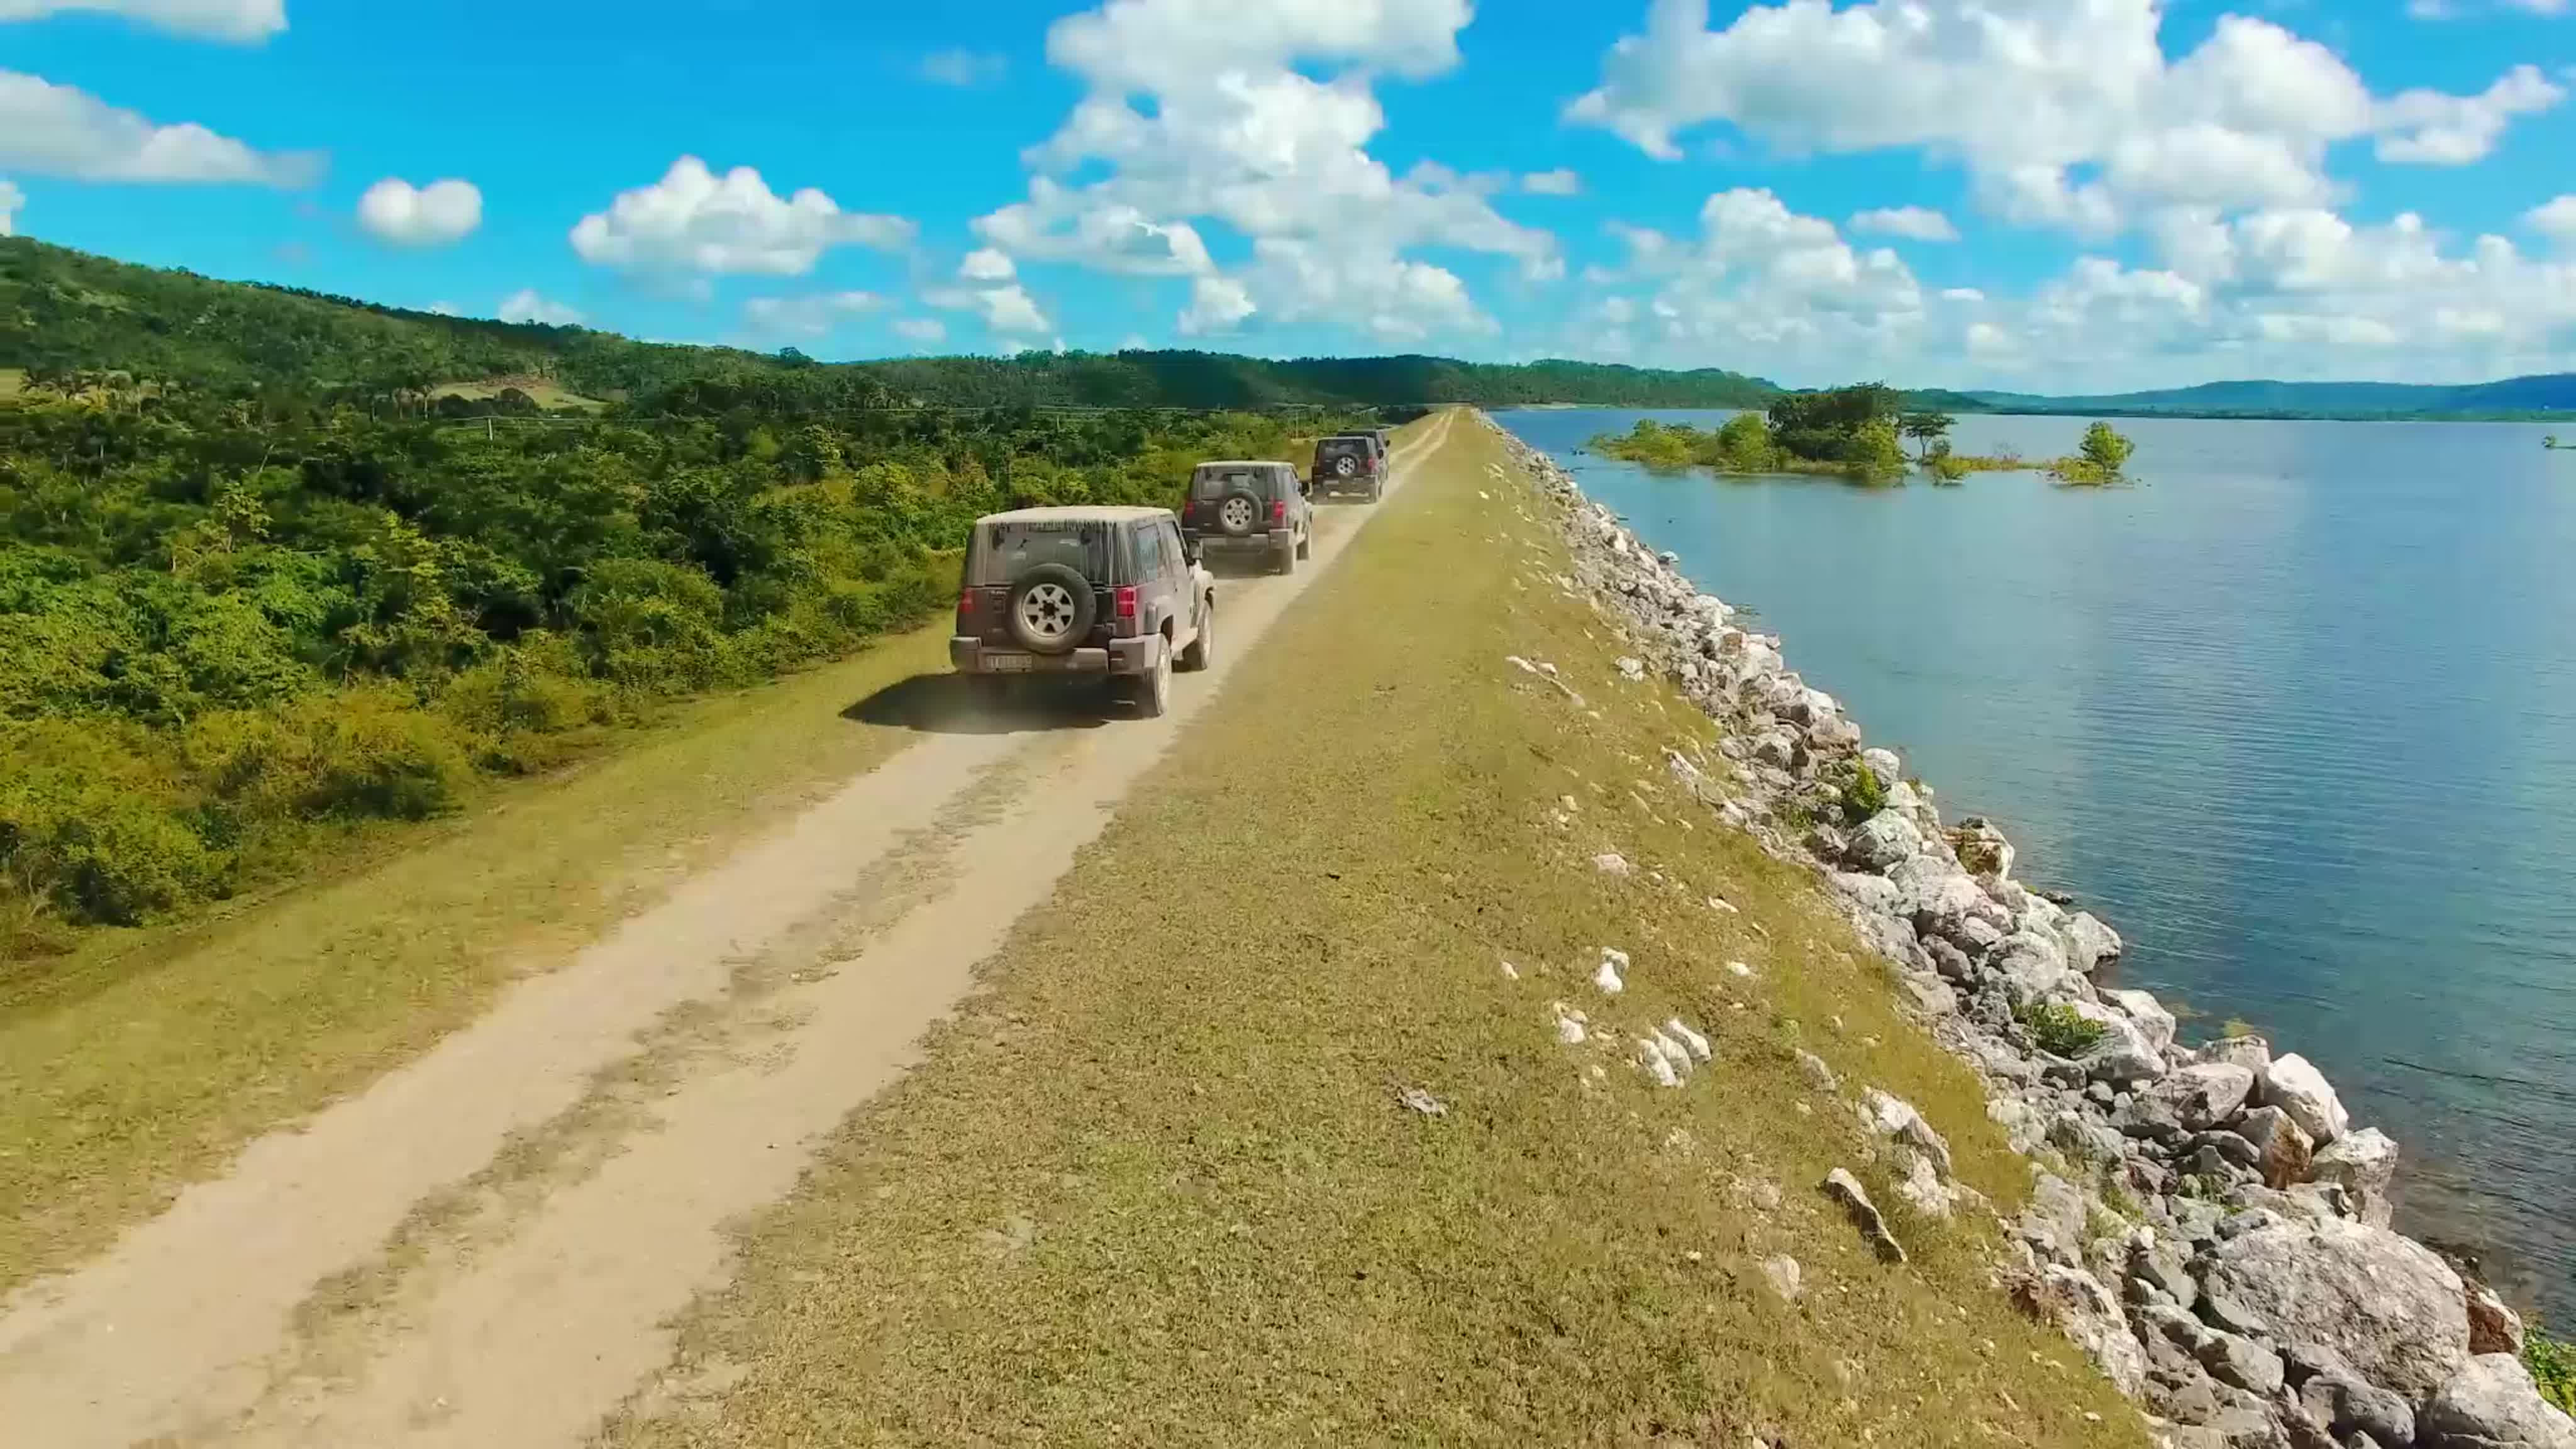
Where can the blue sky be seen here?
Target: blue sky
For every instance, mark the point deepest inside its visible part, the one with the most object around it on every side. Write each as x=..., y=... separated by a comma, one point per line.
x=2029, y=193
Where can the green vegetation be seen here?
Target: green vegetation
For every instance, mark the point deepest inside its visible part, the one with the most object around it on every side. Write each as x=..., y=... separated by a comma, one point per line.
x=144, y=1058
x=1154, y=1183
x=1851, y=432
x=1926, y=429
x=2552, y=1362
x=1862, y=794
x=62, y=310
x=2059, y=1029
x=229, y=631
x=2098, y=460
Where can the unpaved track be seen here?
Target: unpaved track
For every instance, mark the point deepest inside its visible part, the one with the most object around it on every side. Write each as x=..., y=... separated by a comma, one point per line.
x=201, y=1326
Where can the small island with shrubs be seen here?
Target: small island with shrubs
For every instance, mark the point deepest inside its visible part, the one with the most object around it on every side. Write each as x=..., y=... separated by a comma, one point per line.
x=1858, y=433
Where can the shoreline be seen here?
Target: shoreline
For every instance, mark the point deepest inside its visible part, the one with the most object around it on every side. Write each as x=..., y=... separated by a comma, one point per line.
x=2205, y=1221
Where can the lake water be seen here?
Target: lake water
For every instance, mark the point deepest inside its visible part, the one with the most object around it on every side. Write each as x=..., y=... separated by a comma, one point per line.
x=2296, y=713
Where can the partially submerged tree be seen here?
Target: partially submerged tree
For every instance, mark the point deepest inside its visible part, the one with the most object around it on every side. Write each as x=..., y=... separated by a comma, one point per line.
x=1926, y=428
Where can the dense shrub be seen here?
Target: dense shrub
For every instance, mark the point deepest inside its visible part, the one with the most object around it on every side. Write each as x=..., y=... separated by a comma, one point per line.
x=2059, y=1029
x=227, y=631
x=2552, y=1362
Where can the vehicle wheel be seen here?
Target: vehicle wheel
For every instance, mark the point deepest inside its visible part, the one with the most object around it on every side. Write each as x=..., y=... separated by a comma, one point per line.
x=1202, y=650
x=1154, y=686
x=1239, y=513
x=1052, y=608
x=1306, y=545
x=1346, y=466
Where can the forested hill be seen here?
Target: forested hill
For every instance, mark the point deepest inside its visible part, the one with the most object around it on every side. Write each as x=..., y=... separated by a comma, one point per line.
x=2547, y=396
x=62, y=311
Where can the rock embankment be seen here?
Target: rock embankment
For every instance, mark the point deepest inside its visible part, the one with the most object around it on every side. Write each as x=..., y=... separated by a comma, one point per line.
x=2205, y=1220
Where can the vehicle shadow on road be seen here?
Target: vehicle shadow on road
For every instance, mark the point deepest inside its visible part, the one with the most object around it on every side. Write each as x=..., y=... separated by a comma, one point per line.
x=946, y=704
x=1239, y=566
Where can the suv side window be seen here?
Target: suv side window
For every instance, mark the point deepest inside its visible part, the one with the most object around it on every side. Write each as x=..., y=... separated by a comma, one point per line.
x=1173, y=560
x=1147, y=552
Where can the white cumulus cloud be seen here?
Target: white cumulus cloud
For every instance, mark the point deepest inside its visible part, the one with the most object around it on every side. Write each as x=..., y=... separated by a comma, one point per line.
x=808, y=316
x=695, y=221
x=56, y=130
x=525, y=305
x=240, y=21
x=2064, y=113
x=2555, y=220
x=921, y=331
x=1105, y=236
x=11, y=199
x=1560, y=182
x=988, y=287
x=987, y=264
x=439, y=214
x=1918, y=222
x=1259, y=118
x=1217, y=305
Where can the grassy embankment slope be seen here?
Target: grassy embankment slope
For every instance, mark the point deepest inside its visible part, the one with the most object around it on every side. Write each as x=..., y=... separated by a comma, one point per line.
x=1155, y=1185
x=146, y=1059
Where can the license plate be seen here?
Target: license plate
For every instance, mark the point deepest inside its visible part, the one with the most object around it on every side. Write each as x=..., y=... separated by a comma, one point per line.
x=1008, y=663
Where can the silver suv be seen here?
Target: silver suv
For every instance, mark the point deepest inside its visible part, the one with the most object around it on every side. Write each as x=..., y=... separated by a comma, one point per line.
x=1251, y=507
x=1113, y=592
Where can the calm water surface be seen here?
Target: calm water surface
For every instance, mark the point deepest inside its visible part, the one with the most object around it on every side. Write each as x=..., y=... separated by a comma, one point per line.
x=2296, y=713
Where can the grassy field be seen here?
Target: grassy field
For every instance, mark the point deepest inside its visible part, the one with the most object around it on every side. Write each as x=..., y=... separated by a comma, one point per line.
x=544, y=394
x=149, y=1056
x=1156, y=1183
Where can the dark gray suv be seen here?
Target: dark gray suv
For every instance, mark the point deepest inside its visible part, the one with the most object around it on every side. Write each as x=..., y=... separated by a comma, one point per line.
x=1113, y=592
x=1351, y=465
x=1251, y=507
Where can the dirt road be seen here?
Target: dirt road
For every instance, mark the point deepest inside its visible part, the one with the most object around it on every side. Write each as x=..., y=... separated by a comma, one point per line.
x=482, y=1248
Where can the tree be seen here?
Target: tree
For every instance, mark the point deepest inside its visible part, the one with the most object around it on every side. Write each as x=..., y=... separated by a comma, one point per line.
x=2105, y=449
x=1874, y=454
x=1826, y=427
x=1924, y=428
x=1744, y=444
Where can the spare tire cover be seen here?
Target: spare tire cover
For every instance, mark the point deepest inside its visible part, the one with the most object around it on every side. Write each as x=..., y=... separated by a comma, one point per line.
x=1239, y=513
x=1052, y=608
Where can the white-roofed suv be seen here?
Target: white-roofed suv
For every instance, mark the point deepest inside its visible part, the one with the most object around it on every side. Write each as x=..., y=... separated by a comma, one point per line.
x=1114, y=592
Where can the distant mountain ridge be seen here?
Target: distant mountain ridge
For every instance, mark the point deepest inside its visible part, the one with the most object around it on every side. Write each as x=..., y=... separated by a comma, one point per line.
x=2541, y=395
x=63, y=310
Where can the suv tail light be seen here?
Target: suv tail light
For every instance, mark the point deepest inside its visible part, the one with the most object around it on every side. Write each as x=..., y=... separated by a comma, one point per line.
x=965, y=602
x=1279, y=510
x=1126, y=603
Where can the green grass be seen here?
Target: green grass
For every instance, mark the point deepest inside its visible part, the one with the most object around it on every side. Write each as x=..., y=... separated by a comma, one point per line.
x=2060, y=1030
x=2552, y=1362
x=146, y=1057
x=544, y=394
x=12, y=379
x=1154, y=1185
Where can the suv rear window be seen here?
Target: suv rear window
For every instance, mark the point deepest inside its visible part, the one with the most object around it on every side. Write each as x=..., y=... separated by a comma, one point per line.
x=1218, y=482
x=1346, y=448
x=1005, y=551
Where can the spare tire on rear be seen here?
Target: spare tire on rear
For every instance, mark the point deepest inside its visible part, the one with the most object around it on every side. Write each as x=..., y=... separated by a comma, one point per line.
x=1347, y=466
x=1052, y=609
x=1239, y=513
